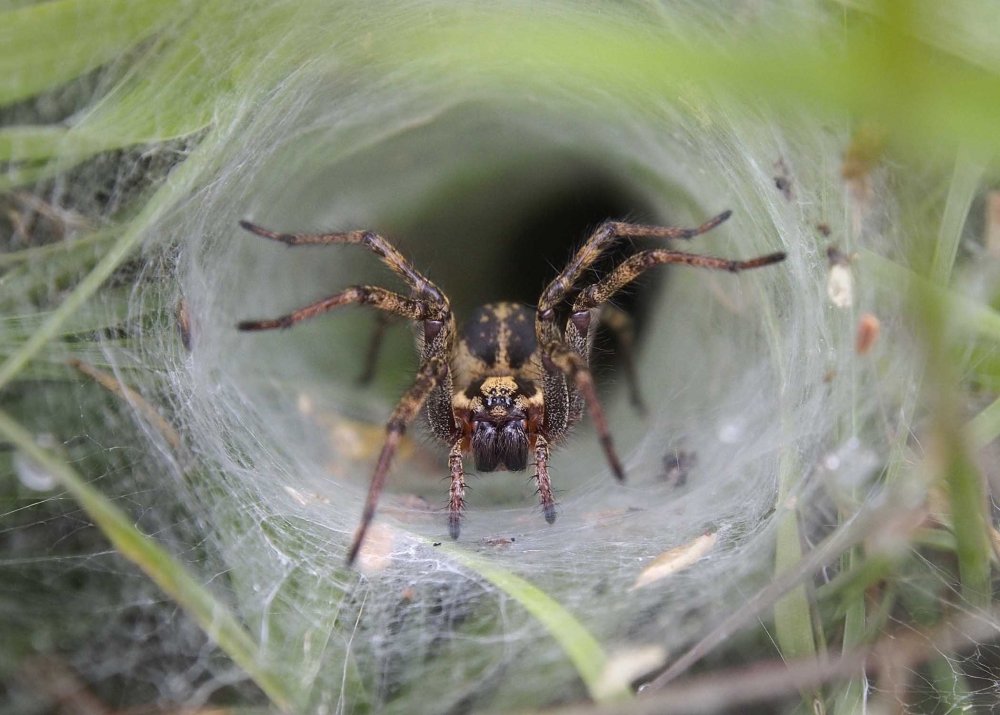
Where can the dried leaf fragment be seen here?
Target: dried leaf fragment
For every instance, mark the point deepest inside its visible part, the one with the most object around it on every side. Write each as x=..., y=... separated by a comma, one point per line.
x=622, y=668
x=498, y=542
x=376, y=550
x=184, y=323
x=676, y=559
x=992, y=224
x=840, y=280
x=861, y=157
x=868, y=331
x=149, y=411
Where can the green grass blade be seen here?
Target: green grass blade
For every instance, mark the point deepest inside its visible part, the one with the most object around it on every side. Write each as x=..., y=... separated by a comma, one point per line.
x=576, y=641
x=850, y=695
x=37, y=143
x=223, y=48
x=116, y=253
x=215, y=619
x=952, y=686
x=792, y=612
x=850, y=72
x=968, y=517
x=45, y=251
x=965, y=314
x=954, y=468
x=56, y=39
x=984, y=427
x=962, y=190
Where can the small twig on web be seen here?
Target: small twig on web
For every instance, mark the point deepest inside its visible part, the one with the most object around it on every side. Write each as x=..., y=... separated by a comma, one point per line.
x=147, y=409
x=64, y=219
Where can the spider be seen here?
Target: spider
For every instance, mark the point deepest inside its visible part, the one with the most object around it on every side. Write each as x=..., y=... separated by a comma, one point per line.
x=515, y=379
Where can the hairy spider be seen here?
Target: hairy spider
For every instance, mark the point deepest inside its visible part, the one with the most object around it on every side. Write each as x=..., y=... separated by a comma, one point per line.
x=514, y=380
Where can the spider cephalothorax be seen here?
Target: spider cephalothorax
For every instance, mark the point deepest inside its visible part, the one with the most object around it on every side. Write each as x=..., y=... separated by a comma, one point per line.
x=515, y=379
x=497, y=413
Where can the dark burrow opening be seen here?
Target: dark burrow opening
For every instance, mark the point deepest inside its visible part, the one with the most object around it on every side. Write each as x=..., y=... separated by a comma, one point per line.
x=506, y=235
x=559, y=223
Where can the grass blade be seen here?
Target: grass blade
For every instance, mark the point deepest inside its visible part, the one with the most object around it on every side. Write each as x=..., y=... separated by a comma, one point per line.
x=56, y=40
x=215, y=619
x=576, y=641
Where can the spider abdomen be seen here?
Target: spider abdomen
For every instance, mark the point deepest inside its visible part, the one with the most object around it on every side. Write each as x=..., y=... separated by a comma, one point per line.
x=497, y=338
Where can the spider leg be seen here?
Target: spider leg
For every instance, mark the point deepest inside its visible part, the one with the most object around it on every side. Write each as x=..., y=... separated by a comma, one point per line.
x=620, y=324
x=634, y=266
x=558, y=356
x=378, y=245
x=429, y=374
x=382, y=323
x=386, y=300
x=594, y=247
x=542, y=477
x=578, y=330
x=456, y=496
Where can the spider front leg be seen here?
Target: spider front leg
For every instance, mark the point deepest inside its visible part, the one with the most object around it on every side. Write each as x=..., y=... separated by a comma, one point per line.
x=562, y=286
x=542, y=478
x=430, y=373
x=565, y=353
x=375, y=243
x=427, y=305
x=557, y=356
x=597, y=294
x=412, y=308
x=456, y=495
x=630, y=269
x=599, y=241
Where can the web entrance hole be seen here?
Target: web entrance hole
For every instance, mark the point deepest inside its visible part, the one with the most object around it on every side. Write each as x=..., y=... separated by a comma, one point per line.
x=497, y=228
x=503, y=238
x=527, y=237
